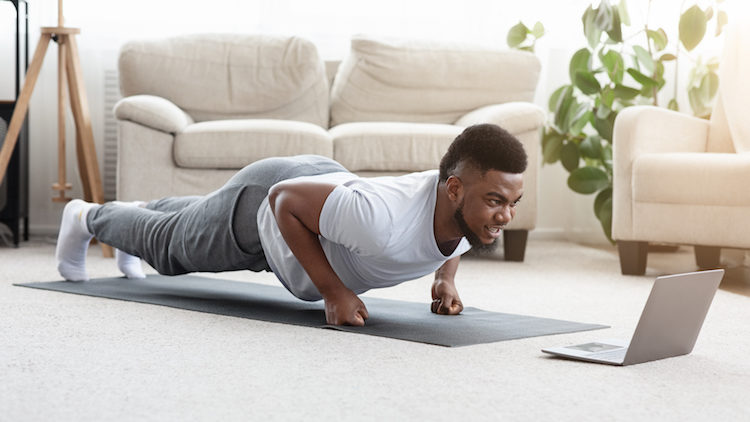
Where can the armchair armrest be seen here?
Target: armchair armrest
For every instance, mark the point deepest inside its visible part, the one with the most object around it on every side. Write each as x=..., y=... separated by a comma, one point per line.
x=154, y=112
x=646, y=130
x=515, y=117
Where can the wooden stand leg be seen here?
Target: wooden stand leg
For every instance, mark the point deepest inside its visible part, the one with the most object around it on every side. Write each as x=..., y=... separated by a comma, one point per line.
x=633, y=257
x=514, y=244
x=707, y=257
x=19, y=113
x=85, y=147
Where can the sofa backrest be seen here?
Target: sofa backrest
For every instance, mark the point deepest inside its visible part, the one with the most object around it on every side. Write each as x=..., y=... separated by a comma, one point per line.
x=428, y=82
x=230, y=76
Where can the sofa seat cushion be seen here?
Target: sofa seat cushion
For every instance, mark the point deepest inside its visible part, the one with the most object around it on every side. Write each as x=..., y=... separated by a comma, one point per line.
x=392, y=146
x=427, y=81
x=692, y=178
x=232, y=144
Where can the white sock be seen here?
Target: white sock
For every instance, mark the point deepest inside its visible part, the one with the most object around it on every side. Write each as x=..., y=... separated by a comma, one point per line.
x=128, y=264
x=73, y=241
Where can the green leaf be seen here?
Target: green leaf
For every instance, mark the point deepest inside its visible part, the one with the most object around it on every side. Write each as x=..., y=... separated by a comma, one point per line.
x=580, y=62
x=644, y=58
x=667, y=57
x=591, y=147
x=625, y=92
x=569, y=156
x=692, y=27
x=721, y=19
x=608, y=97
x=615, y=31
x=551, y=146
x=561, y=113
x=603, y=19
x=644, y=80
x=517, y=35
x=673, y=105
x=577, y=124
x=614, y=64
x=587, y=83
x=708, y=87
x=604, y=126
x=587, y=180
x=659, y=37
x=605, y=218
x=556, y=97
x=538, y=30
x=590, y=30
x=622, y=9
x=600, y=201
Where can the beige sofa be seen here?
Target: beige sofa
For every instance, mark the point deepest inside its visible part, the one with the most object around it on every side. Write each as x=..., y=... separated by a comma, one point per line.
x=680, y=179
x=198, y=108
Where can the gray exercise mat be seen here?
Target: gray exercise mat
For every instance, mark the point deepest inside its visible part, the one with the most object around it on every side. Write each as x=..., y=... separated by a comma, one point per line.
x=388, y=318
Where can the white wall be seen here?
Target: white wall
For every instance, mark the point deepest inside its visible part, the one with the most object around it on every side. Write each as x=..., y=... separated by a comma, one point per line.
x=106, y=24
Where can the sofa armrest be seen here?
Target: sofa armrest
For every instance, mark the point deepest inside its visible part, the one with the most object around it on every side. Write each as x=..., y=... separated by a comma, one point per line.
x=154, y=112
x=647, y=130
x=515, y=117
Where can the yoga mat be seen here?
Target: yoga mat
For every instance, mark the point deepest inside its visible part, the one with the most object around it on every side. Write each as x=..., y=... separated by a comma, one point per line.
x=388, y=318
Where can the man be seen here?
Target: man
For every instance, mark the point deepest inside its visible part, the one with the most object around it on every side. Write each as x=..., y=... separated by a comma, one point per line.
x=325, y=233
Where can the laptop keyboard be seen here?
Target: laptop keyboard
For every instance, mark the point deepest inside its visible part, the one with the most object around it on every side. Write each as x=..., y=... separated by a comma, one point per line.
x=613, y=356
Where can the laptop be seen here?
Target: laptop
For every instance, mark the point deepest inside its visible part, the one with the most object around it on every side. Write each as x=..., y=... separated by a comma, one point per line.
x=669, y=324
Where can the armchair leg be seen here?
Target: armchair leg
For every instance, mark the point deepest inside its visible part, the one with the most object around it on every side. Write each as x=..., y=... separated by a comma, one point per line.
x=707, y=257
x=514, y=244
x=633, y=257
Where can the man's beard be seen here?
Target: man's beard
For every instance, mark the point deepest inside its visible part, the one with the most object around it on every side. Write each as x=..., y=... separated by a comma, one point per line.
x=472, y=237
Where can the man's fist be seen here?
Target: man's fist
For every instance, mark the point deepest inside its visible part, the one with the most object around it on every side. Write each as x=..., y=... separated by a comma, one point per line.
x=345, y=308
x=445, y=300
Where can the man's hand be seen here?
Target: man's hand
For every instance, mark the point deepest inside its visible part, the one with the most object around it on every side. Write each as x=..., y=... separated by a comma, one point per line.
x=445, y=300
x=344, y=308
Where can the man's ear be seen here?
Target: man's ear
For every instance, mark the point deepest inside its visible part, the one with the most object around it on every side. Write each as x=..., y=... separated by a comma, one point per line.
x=454, y=187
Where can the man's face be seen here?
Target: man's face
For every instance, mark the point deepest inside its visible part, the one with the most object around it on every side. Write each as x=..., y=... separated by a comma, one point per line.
x=487, y=204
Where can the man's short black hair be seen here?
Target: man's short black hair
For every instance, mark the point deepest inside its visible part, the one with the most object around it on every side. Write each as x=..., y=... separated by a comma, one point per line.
x=486, y=147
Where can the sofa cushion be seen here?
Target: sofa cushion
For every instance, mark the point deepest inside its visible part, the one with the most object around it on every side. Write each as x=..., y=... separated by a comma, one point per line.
x=392, y=146
x=233, y=144
x=692, y=178
x=230, y=76
x=429, y=82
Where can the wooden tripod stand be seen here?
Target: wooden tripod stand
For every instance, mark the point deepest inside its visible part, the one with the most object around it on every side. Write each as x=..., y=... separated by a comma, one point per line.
x=70, y=65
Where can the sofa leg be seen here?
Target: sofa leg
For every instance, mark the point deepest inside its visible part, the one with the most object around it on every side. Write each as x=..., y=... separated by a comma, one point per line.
x=514, y=244
x=633, y=257
x=707, y=257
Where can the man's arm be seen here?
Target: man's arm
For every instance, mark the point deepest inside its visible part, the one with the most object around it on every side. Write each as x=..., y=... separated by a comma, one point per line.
x=445, y=298
x=297, y=208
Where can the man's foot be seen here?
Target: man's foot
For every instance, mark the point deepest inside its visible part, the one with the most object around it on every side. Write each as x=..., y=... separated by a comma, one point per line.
x=73, y=241
x=129, y=265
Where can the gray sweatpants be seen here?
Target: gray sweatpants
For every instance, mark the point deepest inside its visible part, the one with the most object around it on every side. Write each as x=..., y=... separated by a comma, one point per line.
x=211, y=233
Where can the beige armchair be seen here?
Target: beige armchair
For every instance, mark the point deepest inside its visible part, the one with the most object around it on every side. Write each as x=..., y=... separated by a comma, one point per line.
x=680, y=179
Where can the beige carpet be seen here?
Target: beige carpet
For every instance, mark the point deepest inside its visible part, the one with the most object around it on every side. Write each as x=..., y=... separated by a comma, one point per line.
x=74, y=358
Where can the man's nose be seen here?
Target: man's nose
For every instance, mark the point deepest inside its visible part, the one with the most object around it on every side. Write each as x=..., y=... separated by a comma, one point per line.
x=504, y=215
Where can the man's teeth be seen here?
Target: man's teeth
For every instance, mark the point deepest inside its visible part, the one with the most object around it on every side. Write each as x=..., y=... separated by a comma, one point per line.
x=493, y=229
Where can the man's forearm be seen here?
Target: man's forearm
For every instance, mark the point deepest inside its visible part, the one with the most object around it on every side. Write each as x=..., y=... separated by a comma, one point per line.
x=447, y=272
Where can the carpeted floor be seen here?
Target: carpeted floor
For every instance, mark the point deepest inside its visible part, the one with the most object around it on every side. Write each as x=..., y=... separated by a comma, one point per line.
x=72, y=358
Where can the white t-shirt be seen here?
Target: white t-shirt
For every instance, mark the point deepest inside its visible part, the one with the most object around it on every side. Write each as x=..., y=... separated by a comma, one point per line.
x=376, y=232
